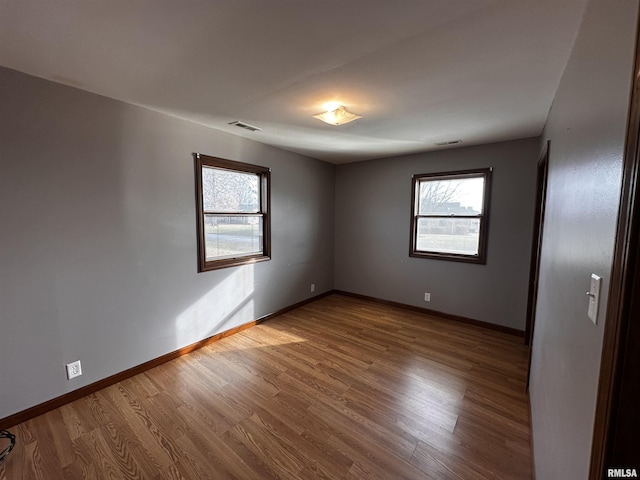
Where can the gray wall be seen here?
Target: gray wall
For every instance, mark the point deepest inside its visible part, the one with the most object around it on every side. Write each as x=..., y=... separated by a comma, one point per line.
x=373, y=210
x=586, y=127
x=98, y=245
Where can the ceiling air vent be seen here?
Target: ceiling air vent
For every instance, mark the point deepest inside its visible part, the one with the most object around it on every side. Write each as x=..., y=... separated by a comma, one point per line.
x=451, y=142
x=246, y=126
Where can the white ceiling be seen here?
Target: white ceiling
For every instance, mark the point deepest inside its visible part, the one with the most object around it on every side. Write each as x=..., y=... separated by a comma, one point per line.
x=418, y=71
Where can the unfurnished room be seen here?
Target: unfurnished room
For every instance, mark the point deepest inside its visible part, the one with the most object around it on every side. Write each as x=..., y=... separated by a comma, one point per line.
x=356, y=239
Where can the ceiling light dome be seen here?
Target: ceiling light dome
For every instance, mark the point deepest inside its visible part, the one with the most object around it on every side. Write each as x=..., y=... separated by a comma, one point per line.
x=337, y=116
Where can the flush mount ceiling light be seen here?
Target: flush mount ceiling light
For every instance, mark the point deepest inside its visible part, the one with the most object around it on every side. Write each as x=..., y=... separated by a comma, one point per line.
x=337, y=116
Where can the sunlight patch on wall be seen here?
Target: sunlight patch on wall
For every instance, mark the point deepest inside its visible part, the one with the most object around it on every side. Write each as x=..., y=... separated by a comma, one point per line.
x=227, y=305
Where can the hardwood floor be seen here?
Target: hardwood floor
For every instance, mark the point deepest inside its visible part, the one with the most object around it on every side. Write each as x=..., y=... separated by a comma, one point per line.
x=340, y=388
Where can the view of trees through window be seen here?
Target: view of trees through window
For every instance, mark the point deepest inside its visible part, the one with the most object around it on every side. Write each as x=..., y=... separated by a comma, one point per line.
x=226, y=195
x=233, y=212
x=448, y=214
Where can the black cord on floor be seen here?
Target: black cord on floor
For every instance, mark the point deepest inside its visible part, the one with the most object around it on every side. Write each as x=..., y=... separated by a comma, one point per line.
x=12, y=443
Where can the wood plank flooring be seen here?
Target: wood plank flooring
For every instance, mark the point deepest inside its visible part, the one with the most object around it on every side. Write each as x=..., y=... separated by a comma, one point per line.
x=341, y=388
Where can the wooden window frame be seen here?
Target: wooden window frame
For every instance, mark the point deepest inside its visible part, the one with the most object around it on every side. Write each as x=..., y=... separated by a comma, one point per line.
x=481, y=257
x=264, y=175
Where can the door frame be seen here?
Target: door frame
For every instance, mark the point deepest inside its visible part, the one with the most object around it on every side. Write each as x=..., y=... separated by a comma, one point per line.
x=536, y=250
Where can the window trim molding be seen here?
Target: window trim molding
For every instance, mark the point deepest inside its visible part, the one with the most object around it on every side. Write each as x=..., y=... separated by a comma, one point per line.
x=483, y=233
x=264, y=173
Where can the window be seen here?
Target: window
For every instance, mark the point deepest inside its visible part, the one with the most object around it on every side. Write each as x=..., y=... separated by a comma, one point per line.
x=232, y=203
x=449, y=215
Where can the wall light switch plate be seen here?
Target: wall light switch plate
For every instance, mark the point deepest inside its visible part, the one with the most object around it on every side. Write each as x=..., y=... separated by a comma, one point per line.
x=594, y=298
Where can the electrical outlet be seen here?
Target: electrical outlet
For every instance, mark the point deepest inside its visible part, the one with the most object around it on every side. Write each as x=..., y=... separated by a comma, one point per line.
x=427, y=297
x=313, y=287
x=74, y=370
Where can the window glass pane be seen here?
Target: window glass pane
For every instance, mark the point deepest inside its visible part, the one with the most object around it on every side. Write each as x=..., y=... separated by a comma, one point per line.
x=448, y=235
x=228, y=191
x=460, y=196
x=231, y=236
